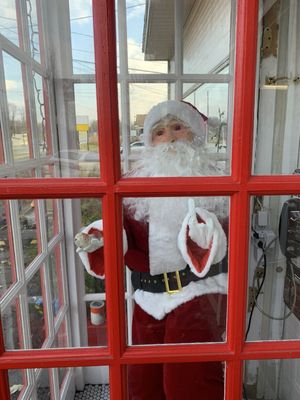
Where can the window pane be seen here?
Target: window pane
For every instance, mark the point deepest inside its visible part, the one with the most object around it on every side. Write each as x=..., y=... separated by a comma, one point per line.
x=9, y=24
x=33, y=20
x=51, y=217
x=40, y=113
x=7, y=270
x=37, y=310
x=178, y=291
x=17, y=383
x=271, y=379
x=12, y=326
x=43, y=384
x=82, y=36
x=28, y=215
x=273, y=277
x=277, y=118
x=87, y=129
x=55, y=281
x=206, y=35
x=176, y=380
x=18, y=118
x=140, y=62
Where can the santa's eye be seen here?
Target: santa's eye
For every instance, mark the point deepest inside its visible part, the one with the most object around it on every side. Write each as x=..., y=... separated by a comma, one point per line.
x=177, y=127
x=159, y=133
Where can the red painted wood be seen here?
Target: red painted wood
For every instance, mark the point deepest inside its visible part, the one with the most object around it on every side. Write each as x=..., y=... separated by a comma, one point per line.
x=244, y=92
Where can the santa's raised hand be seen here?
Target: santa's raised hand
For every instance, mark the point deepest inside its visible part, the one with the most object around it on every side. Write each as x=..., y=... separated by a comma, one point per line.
x=199, y=231
x=201, y=240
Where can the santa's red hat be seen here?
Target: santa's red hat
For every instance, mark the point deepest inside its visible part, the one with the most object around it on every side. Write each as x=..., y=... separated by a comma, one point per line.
x=180, y=109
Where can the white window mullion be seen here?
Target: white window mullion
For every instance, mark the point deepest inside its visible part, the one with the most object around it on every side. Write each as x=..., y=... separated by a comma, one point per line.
x=178, y=42
x=7, y=144
x=124, y=85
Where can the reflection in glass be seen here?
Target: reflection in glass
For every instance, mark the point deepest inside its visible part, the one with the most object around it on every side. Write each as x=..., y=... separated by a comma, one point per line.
x=40, y=113
x=142, y=54
x=6, y=269
x=176, y=381
x=205, y=26
x=179, y=286
x=11, y=325
x=87, y=129
x=271, y=379
x=277, y=136
x=9, y=23
x=274, y=269
x=61, y=339
x=43, y=384
x=51, y=214
x=17, y=383
x=55, y=282
x=82, y=35
x=18, y=128
x=36, y=310
x=34, y=29
x=28, y=215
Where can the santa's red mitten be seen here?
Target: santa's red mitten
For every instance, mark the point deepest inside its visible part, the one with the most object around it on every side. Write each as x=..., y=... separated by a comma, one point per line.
x=201, y=240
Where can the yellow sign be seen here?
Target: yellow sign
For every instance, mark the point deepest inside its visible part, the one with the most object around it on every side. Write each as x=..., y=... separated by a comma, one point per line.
x=82, y=127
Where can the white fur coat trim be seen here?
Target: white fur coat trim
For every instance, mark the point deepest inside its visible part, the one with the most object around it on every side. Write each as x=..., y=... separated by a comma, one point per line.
x=218, y=246
x=158, y=305
x=83, y=254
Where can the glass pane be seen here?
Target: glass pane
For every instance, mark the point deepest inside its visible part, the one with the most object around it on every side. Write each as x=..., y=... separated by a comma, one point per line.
x=37, y=310
x=176, y=381
x=33, y=20
x=55, y=281
x=206, y=26
x=51, y=218
x=274, y=269
x=18, y=117
x=40, y=113
x=271, y=379
x=17, y=383
x=211, y=99
x=61, y=339
x=154, y=60
x=87, y=129
x=82, y=35
x=7, y=270
x=179, y=284
x=96, y=383
x=12, y=326
x=277, y=118
x=28, y=217
x=43, y=384
x=175, y=138
x=9, y=24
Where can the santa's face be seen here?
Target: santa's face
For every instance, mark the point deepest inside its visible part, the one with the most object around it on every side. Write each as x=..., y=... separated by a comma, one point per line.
x=170, y=130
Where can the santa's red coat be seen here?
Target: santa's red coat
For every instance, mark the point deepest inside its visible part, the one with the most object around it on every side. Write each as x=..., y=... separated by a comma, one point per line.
x=202, y=319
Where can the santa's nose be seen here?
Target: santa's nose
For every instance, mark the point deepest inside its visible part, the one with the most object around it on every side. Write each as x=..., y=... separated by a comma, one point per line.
x=171, y=134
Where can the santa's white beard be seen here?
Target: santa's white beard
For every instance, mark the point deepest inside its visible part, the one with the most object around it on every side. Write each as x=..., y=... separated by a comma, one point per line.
x=174, y=159
x=166, y=214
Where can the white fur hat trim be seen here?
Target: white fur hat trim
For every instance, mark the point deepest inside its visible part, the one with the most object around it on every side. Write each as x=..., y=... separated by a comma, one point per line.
x=184, y=111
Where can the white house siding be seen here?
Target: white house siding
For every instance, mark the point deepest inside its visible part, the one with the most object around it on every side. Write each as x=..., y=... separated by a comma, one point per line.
x=206, y=36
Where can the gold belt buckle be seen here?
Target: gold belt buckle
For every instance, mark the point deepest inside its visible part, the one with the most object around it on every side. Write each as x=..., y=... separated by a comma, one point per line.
x=179, y=286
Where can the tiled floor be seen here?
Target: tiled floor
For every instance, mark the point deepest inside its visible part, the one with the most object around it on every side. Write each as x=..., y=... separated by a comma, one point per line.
x=93, y=392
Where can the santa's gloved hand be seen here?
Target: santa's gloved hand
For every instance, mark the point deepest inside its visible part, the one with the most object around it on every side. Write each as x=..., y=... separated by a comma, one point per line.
x=88, y=242
x=200, y=232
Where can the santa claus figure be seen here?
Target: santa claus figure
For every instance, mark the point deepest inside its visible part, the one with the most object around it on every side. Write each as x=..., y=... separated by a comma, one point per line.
x=176, y=249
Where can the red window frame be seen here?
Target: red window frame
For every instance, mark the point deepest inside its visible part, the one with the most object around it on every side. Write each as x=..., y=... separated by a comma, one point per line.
x=111, y=188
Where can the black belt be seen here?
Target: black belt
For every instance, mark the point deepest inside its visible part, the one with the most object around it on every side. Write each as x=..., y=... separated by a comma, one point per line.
x=171, y=282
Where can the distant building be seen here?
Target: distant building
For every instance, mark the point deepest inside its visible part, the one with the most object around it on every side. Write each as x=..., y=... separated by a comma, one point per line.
x=139, y=123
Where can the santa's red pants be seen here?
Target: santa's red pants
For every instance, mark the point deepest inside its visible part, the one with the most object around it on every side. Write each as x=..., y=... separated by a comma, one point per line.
x=199, y=320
